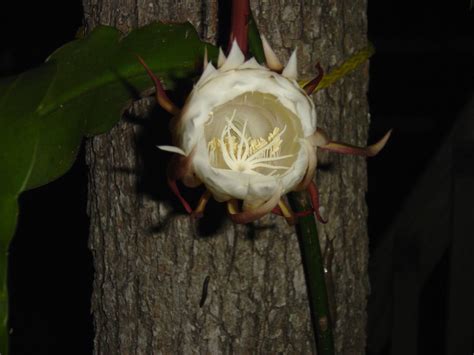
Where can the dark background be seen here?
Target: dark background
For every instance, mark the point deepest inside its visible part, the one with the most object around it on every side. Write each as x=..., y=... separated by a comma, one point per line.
x=421, y=81
x=50, y=267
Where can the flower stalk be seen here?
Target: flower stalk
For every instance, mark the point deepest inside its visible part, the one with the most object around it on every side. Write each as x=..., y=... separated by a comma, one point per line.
x=313, y=265
x=239, y=24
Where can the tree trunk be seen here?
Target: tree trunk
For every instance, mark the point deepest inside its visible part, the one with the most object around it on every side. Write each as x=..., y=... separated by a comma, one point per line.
x=151, y=259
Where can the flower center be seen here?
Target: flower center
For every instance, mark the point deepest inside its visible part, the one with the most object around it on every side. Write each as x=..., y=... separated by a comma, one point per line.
x=253, y=134
x=244, y=153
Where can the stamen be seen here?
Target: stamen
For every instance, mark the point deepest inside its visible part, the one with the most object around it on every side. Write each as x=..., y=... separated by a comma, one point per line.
x=239, y=151
x=271, y=142
x=246, y=154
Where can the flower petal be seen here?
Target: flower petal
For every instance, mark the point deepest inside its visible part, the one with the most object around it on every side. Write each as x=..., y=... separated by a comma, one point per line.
x=221, y=58
x=319, y=138
x=172, y=149
x=163, y=99
x=312, y=162
x=174, y=188
x=291, y=69
x=201, y=206
x=270, y=57
x=180, y=168
x=314, y=195
x=252, y=64
x=313, y=84
x=235, y=58
x=368, y=151
x=256, y=213
x=210, y=69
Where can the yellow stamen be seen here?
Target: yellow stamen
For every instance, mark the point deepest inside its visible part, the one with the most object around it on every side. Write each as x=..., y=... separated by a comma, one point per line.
x=243, y=153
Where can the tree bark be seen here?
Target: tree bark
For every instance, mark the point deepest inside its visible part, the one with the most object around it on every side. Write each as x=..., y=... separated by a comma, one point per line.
x=151, y=260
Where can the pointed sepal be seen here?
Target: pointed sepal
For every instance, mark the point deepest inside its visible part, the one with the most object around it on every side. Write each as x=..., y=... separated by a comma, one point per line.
x=291, y=69
x=207, y=72
x=163, y=99
x=235, y=58
x=271, y=59
x=313, y=84
x=221, y=58
x=369, y=151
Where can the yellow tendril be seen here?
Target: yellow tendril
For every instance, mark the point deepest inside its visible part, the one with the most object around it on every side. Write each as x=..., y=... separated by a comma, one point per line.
x=349, y=65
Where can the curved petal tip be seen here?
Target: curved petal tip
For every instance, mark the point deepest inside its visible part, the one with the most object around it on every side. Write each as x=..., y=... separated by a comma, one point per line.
x=369, y=151
x=172, y=149
x=374, y=149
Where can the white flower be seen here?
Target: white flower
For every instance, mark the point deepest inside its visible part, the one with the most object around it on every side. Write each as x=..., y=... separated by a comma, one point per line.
x=247, y=133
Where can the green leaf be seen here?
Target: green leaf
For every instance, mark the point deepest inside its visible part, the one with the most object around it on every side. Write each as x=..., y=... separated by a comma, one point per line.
x=19, y=122
x=81, y=90
x=96, y=76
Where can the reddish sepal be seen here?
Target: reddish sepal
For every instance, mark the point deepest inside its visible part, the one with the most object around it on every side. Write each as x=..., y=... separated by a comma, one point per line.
x=314, y=195
x=313, y=84
x=174, y=187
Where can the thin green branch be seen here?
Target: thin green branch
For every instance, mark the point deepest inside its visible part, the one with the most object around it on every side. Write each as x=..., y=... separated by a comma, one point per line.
x=314, y=270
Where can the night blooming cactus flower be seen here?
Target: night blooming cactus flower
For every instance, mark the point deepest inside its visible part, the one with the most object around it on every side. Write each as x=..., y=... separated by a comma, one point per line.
x=248, y=133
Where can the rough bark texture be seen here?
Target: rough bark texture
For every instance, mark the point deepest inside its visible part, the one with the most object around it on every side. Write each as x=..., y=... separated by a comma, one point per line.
x=151, y=260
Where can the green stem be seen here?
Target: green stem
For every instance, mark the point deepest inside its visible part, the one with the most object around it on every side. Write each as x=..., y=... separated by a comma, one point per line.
x=314, y=270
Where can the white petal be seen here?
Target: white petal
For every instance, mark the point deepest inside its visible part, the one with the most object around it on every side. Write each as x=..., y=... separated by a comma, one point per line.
x=235, y=58
x=172, y=149
x=221, y=87
x=291, y=69
x=221, y=59
x=207, y=72
x=252, y=64
x=294, y=176
x=270, y=57
x=260, y=190
x=254, y=205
